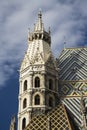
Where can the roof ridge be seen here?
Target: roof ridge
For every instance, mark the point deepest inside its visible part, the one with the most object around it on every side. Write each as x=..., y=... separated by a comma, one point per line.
x=75, y=48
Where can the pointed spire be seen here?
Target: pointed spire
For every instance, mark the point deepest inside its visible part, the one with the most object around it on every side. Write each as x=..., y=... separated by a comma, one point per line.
x=13, y=123
x=40, y=20
x=39, y=25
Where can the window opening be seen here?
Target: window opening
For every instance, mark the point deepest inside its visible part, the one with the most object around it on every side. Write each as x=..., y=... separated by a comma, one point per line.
x=37, y=100
x=37, y=82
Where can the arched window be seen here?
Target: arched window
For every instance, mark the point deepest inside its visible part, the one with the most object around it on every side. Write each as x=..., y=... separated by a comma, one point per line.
x=23, y=123
x=50, y=84
x=50, y=102
x=25, y=103
x=25, y=85
x=37, y=82
x=37, y=100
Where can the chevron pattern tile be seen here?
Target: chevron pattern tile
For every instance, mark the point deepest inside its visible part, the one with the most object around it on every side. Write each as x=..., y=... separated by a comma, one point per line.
x=72, y=64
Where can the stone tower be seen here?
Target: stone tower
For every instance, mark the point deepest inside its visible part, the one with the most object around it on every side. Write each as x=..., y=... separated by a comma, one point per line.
x=38, y=91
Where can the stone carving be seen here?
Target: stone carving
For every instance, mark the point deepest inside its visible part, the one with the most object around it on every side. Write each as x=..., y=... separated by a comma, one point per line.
x=38, y=58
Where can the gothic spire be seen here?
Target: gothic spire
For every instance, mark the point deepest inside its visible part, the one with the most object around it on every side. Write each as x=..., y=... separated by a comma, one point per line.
x=39, y=24
x=39, y=31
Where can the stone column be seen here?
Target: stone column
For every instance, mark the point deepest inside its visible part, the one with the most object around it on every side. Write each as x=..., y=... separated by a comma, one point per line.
x=30, y=80
x=19, y=104
x=30, y=87
x=20, y=87
x=30, y=98
x=43, y=97
x=43, y=79
x=19, y=122
x=29, y=116
x=43, y=86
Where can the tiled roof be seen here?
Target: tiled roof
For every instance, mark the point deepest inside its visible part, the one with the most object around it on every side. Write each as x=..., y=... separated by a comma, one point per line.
x=56, y=119
x=73, y=80
x=73, y=64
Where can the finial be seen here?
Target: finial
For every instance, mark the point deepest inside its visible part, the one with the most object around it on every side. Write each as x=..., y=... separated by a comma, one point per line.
x=40, y=13
x=49, y=30
x=28, y=32
x=64, y=42
x=34, y=26
x=40, y=10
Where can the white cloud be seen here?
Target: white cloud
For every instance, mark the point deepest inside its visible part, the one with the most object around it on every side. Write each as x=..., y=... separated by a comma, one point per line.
x=66, y=19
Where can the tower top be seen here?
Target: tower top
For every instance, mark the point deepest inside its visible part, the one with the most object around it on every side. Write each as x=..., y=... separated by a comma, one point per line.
x=39, y=24
x=39, y=31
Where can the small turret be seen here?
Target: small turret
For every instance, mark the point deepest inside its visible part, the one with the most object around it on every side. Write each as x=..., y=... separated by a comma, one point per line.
x=39, y=32
x=13, y=123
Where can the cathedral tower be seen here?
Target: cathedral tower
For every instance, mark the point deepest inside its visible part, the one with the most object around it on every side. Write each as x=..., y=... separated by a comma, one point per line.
x=38, y=91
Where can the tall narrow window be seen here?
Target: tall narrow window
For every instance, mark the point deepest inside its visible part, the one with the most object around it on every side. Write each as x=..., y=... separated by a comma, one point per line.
x=23, y=123
x=37, y=82
x=25, y=103
x=37, y=100
x=25, y=85
x=50, y=84
x=50, y=102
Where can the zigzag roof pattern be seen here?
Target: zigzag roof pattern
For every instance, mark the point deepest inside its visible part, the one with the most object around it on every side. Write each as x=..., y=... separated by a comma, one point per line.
x=73, y=77
x=73, y=64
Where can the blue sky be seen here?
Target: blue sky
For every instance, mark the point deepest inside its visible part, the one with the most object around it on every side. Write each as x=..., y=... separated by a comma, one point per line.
x=68, y=22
